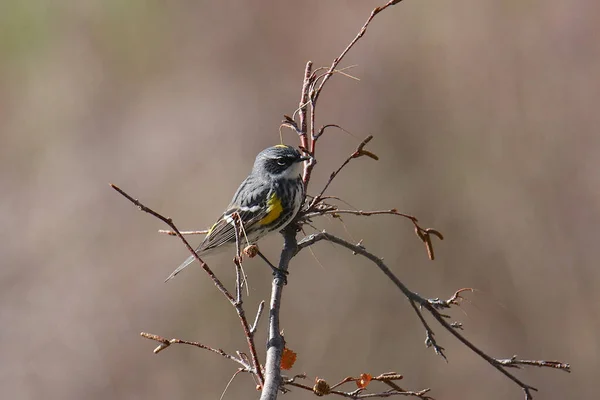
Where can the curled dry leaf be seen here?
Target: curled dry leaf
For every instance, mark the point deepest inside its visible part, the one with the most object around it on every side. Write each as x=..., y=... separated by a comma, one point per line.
x=288, y=358
x=363, y=381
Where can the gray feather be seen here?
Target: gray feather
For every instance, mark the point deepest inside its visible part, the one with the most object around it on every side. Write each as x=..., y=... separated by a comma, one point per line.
x=184, y=264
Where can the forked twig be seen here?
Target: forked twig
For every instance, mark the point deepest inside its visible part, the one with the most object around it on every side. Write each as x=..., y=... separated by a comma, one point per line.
x=164, y=343
x=235, y=301
x=432, y=307
x=169, y=222
x=423, y=233
x=338, y=59
x=359, y=152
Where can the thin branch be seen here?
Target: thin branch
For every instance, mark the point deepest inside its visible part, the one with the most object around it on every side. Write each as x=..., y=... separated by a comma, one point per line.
x=359, y=152
x=303, y=103
x=169, y=222
x=310, y=164
x=238, y=305
x=423, y=233
x=322, y=130
x=429, y=334
x=236, y=302
x=455, y=299
x=311, y=90
x=259, y=312
x=164, y=343
x=339, y=58
x=513, y=362
x=429, y=305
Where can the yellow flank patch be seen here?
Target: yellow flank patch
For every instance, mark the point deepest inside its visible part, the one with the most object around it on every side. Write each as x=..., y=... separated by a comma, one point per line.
x=211, y=228
x=274, y=210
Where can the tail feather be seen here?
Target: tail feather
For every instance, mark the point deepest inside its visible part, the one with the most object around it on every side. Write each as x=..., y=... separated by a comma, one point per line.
x=184, y=264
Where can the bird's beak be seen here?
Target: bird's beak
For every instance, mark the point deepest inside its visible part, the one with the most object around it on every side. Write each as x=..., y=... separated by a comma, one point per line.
x=304, y=158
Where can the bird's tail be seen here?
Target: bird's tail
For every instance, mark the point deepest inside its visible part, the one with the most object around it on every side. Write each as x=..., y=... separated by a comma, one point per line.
x=184, y=264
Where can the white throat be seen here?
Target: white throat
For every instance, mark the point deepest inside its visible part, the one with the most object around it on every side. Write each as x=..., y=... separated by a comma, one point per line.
x=294, y=172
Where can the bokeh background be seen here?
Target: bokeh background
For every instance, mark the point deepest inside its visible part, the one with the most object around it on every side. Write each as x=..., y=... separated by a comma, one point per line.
x=485, y=116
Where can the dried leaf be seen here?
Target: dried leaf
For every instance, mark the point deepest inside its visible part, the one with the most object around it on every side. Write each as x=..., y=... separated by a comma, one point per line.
x=364, y=381
x=288, y=358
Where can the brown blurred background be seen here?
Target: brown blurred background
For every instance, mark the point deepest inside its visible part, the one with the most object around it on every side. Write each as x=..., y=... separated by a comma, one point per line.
x=485, y=116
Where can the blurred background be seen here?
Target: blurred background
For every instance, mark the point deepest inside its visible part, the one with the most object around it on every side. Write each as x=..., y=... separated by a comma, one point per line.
x=485, y=117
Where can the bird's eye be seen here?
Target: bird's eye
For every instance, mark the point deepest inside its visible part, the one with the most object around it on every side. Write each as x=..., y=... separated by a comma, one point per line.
x=281, y=162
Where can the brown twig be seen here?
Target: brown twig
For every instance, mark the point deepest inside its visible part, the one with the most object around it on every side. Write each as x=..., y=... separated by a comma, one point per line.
x=235, y=301
x=303, y=133
x=164, y=343
x=423, y=233
x=338, y=59
x=359, y=152
x=169, y=222
x=313, y=86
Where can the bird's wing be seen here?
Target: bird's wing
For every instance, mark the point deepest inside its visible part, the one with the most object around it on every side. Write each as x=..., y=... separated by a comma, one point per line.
x=223, y=231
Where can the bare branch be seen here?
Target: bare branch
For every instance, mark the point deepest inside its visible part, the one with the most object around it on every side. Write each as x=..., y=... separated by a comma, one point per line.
x=236, y=302
x=429, y=334
x=513, y=362
x=167, y=342
x=303, y=103
x=429, y=305
x=339, y=58
x=327, y=209
x=169, y=222
x=276, y=343
x=261, y=307
x=359, y=152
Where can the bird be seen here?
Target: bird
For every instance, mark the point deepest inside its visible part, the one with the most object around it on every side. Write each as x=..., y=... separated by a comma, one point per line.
x=266, y=201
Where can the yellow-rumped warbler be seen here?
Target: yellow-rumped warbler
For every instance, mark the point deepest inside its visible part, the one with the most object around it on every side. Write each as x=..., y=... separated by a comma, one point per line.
x=266, y=201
